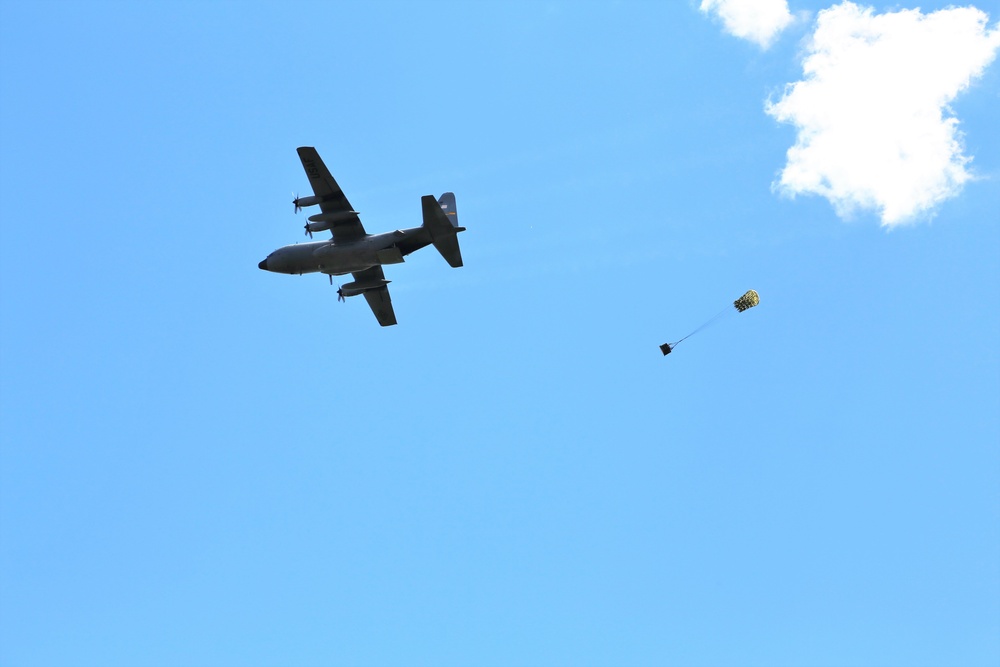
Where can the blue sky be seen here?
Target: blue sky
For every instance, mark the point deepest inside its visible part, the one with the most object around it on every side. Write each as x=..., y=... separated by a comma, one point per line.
x=206, y=464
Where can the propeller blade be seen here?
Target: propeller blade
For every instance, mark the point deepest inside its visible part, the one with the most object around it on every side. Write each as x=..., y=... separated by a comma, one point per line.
x=340, y=295
x=308, y=231
x=295, y=202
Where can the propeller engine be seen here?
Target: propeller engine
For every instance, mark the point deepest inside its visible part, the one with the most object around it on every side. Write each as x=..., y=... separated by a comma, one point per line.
x=323, y=221
x=301, y=202
x=340, y=290
x=356, y=288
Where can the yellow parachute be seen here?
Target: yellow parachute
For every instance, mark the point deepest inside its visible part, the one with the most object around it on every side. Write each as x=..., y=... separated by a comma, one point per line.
x=745, y=302
x=748, y=300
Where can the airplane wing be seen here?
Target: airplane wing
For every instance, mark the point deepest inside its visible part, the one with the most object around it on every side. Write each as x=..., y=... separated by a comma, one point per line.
x=333, y=202
x=378, y=299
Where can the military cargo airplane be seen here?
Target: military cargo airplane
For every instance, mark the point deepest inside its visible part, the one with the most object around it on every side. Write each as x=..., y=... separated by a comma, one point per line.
x=352, y=250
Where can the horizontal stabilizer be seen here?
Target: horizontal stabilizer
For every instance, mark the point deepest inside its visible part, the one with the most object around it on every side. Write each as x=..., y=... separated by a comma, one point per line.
x=444, y=234
x=448, y=247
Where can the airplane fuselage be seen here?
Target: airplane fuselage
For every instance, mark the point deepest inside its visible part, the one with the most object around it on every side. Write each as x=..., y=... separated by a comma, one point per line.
x=340, y=258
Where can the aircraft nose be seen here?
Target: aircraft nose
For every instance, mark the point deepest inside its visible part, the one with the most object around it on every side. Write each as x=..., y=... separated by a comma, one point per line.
x=262, y=265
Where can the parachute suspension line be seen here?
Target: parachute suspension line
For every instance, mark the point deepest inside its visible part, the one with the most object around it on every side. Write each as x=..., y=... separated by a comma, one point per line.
x=708, y=322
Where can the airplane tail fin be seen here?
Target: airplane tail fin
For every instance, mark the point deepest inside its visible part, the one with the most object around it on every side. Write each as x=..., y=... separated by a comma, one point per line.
x=447, y=204
x=441, y=221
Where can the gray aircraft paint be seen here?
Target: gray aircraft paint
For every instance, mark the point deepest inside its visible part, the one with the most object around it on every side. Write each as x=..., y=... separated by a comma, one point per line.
x=352, y=250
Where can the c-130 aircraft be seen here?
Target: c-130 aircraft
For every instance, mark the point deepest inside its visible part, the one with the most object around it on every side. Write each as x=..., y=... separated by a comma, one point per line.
x=352, y=250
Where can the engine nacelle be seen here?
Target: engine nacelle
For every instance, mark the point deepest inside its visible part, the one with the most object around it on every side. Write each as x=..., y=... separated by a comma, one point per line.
x=356, y=288
x=317, y=226
x=301, y=202
x=323, y=221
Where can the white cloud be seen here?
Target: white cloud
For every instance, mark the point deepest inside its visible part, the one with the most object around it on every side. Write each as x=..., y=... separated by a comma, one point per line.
x=874, y=127
x=759, y=21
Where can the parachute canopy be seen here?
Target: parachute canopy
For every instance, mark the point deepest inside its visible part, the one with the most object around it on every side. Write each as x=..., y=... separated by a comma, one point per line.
x=748, y=300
